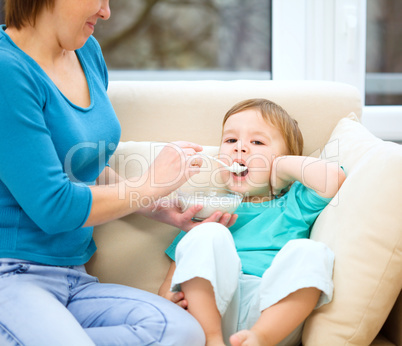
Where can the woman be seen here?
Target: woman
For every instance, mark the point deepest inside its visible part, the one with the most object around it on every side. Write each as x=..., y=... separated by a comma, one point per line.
x=57, y=131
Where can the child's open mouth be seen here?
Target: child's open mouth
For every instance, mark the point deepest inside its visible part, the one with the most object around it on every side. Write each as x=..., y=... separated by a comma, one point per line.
x=241, y=174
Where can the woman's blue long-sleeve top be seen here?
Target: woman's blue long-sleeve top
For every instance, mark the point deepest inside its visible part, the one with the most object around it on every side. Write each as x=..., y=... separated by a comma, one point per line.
x=50, y=151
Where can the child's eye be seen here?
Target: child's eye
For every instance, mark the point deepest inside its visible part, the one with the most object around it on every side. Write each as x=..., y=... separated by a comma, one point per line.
x=231, y=140
x=257, y=142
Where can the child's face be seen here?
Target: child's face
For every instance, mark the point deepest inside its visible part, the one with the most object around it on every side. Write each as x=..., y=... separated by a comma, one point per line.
x=248, y=139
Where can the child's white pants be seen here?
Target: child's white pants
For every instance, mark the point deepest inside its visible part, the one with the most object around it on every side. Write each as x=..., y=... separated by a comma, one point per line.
x=208, y=251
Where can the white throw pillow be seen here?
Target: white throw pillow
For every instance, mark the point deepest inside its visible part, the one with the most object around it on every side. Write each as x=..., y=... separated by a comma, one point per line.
x=363, y=226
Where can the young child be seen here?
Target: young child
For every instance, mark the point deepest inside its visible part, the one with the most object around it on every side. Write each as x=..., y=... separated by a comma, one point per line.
x=258, y=281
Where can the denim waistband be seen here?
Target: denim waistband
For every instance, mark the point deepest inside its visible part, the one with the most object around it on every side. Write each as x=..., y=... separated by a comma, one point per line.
x=8, y=261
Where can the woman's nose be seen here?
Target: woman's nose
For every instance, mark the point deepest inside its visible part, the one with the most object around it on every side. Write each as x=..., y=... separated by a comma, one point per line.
x=104, y=11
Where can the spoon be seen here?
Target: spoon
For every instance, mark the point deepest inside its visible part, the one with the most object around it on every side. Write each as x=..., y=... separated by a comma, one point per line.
x=234, y=168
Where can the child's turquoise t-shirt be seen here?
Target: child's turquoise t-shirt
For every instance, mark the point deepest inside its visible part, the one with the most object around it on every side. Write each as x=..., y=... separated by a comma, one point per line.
x=262, y=229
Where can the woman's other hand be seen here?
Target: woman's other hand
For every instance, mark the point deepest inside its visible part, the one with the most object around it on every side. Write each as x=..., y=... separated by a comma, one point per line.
x=168, y=211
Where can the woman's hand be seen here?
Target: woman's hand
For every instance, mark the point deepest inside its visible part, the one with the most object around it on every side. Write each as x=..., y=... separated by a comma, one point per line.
x=168, y=211
x=174, y=165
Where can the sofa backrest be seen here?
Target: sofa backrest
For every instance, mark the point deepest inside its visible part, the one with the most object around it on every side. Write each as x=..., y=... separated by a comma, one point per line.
x=193, y=111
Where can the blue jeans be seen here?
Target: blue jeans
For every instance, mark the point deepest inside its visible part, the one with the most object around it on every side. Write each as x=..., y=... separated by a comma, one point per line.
x=48, y=305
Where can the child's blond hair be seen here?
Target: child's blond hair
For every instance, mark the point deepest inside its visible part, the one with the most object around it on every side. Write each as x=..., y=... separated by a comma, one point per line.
x=276, y=116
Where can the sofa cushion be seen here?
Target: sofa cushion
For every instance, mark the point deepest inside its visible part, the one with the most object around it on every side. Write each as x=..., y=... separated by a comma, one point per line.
x=363, y=226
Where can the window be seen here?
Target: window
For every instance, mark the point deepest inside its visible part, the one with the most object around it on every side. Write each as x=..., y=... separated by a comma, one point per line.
x=384, y=53
x=327, y=40
x=383, y=92
x=210, y=36
x=1, y=12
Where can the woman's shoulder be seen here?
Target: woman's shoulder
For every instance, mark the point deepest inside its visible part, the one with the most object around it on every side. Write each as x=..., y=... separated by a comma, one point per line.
x=8, y=53
x=13, y=61
x=13, y=65
x=8, y=50
x=19, y=74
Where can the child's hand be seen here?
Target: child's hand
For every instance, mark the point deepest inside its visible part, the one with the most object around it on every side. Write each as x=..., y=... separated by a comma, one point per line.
x=322, y=176
x=279, y=185
x=177, y=298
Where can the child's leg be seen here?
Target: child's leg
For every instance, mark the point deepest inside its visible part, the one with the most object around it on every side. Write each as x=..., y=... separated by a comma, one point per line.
x=280, y=319
x=201, y=304
x=207, y=269
x=299, y=280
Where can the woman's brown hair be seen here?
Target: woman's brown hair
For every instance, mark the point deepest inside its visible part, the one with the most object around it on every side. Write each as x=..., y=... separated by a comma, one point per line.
x=19, y=13
x=276, y=116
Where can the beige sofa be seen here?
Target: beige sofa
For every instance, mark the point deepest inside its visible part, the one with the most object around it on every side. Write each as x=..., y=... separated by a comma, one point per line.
x=362, y=225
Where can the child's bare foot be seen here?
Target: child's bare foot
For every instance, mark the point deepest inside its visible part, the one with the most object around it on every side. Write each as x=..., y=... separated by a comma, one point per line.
x=247, y=338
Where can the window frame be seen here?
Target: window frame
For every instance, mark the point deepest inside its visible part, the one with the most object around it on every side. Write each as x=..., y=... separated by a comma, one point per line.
x=326, y=40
